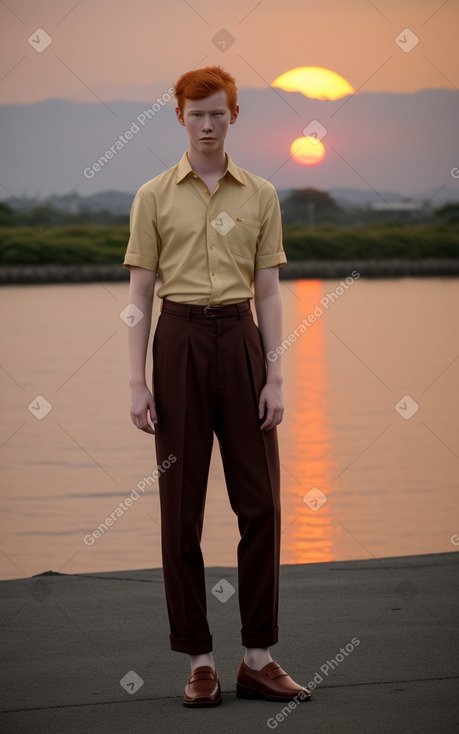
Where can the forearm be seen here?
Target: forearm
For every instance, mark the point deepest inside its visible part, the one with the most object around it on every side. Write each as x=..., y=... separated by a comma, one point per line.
x=138, y=337
x=269, y=316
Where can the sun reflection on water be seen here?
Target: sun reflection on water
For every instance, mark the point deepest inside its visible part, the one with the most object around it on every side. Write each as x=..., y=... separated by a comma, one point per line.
x=307, y=534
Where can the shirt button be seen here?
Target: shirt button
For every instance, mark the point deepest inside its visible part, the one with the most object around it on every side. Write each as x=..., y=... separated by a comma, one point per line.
x=212, y=273
x=195, y=175
x=212, y=247
x=206, y=191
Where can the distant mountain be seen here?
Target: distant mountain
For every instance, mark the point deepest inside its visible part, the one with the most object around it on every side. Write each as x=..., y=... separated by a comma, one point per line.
x=376, y=143
x=119, y=202
x=115, y=202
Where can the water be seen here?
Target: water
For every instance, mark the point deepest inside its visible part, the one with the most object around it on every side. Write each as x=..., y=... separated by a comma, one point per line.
x=389, y=482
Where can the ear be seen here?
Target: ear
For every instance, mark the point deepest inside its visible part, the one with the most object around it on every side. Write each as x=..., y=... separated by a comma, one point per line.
x=179, y=115
x=234, y=115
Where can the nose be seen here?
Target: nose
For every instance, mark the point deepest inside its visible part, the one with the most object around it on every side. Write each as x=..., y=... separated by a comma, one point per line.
x=207, y=124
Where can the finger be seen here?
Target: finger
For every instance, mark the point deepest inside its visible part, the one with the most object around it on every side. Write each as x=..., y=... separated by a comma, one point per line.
x=274, y=421
x=268, y=422
x=261, y=408
x=142, y=423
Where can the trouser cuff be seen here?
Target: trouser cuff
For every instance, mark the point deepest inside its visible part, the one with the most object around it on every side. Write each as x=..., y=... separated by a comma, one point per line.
x=192, y=646
x=259, y=639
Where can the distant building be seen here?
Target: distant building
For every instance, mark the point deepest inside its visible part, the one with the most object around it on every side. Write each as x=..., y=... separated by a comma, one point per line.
x=397, y=206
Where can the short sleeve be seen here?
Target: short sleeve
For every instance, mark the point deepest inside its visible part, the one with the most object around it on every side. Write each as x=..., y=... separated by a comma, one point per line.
x=270, y=250
x=143, y=246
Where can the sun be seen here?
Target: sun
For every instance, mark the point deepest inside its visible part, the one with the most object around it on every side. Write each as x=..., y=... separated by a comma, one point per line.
x=314, y=82
x=308, y=151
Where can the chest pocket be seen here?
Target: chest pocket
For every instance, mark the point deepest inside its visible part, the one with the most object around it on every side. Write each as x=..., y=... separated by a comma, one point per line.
x=242, y=239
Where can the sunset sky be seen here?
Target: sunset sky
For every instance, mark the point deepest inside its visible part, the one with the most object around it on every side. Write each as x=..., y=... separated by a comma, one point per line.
x=114, y=49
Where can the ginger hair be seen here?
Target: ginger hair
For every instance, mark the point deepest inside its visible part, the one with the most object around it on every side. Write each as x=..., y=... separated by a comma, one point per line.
x=202, y=83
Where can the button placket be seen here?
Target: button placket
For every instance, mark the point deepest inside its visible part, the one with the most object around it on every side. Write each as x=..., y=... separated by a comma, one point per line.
x=212, y=256
x=212, y=246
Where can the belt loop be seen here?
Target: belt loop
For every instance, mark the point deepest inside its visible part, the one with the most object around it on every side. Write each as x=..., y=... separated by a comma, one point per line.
x=189, y=312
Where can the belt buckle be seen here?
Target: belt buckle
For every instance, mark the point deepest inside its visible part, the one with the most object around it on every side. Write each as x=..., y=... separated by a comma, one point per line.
x=210, y=315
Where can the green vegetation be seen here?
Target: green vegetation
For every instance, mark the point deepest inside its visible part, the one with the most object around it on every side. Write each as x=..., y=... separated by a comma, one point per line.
x=82, y=245
x=89, y=244
x=47, y=216
x=315, y=228
x=378, y=242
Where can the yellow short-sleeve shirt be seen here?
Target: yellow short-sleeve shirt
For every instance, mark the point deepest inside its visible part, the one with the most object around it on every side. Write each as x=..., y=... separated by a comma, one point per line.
x=205, y=247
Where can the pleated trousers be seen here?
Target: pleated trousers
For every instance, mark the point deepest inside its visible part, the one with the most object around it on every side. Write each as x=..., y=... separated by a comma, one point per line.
x=208, y=372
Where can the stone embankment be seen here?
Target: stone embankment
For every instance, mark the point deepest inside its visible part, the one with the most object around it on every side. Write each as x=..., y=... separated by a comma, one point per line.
x=304, y=269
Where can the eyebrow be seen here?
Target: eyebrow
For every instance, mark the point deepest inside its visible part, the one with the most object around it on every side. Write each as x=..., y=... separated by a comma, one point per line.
x=217, y=109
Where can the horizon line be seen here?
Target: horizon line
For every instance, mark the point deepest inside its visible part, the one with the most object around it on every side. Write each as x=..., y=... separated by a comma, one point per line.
x=240, y=89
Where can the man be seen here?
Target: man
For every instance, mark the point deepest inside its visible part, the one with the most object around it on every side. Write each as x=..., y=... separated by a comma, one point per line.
x=212, y=231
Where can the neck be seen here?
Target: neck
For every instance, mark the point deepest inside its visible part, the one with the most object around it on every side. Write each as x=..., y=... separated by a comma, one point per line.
x=207, y=163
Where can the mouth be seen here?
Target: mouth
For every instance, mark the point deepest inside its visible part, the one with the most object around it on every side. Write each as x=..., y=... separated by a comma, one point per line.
x=208, y=138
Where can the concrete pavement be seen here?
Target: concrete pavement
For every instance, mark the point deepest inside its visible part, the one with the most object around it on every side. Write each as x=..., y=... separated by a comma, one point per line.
x=89, y=653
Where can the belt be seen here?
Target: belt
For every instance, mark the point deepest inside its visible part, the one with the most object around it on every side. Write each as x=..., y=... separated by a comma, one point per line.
x=192, y=310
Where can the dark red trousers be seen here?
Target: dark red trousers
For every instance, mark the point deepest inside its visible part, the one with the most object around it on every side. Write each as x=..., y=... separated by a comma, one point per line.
x=208, y=372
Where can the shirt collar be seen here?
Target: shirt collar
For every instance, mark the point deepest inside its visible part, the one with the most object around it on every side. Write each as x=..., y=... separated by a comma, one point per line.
x=184, y=169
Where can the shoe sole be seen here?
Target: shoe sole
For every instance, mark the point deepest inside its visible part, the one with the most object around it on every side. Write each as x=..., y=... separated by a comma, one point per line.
x=244, y=692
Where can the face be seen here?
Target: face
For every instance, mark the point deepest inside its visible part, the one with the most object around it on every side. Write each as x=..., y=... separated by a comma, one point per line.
x=206, y=121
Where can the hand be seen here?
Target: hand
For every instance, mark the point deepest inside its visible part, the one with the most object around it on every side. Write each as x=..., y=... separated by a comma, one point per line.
x=271, y=402
x=143, y=411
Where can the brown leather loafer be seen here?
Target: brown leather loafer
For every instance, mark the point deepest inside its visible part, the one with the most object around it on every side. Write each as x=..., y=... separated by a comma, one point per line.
x=271, y=683
x=203, y=688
